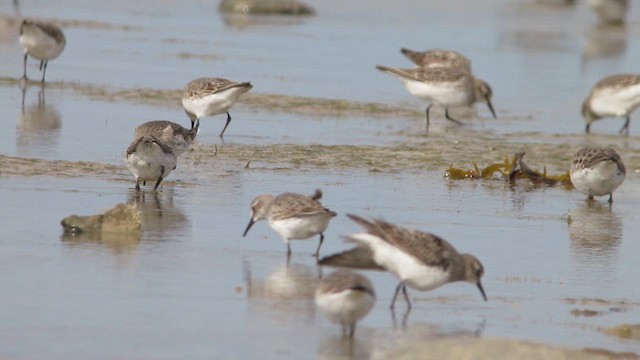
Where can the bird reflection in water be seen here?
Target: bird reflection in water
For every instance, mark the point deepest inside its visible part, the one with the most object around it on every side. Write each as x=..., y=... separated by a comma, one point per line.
x=595, y=231
x=160, y=217
x=604, y=43
x=39, y=124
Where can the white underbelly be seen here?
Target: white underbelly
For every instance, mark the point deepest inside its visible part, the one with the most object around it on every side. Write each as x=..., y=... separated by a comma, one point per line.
x=300, y=228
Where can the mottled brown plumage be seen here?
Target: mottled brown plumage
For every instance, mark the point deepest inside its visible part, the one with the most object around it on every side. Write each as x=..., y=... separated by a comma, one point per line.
x=589, y=155
x=438, y=58
x=175, y=135
x=207, y=86
x=429, y=249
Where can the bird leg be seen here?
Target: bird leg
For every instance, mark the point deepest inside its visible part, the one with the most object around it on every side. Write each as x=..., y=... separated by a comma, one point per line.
x=45, y=69
x=159, y=178
x=625, y=128
x=317, y=253
x=225, y=125
x=402, y=287
x=24, y=67
x=427, y=112
x=446, y=115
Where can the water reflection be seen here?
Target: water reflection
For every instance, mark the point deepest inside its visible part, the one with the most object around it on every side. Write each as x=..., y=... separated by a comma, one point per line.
x=595, y=231
x=288, y=289
x=247, y=21
x=39, y=124
x=604, y=42
x=339, y=347
x=160, y=217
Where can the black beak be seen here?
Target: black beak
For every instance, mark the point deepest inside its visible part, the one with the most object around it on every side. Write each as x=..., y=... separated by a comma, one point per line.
x=251, y=222
x=491, y=109
x=482, y=291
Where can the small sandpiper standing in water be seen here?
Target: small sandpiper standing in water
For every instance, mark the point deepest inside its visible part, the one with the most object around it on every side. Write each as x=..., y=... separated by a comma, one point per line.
x=614, y=96
x=597, y=171
x=42, y=41
x=150, y=159
x=211, y=96
x=420, y=260
x=345, y=297
x=175, y=135
x=447, y=87
x=292, y=216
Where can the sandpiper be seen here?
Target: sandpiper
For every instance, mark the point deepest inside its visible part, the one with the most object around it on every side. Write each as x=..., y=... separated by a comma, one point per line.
x=150, y=159
x=293, y=216
x=438, y=58
x=614, y=96
x=420, y=260
x=447, y=87
x=42, y=41
x=175, y=135
x=610, y=12
x=345, y=297
x=597, y=171
x=211, y=96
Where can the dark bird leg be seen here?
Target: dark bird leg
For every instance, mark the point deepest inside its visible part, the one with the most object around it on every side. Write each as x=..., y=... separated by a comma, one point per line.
x=137, y=185
x=225, y=125
x=587, y=128
x=317, y=253
x=446, y=115
x=625, y=128
x=24, y=67
x=44, y=70
x=352, y=330
x=610, y=198
x=159, y=178
x=427, y=112
x=406, y=297
x=402, y=287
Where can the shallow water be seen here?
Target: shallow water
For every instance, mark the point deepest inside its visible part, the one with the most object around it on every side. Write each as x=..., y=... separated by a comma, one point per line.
x=193, y=287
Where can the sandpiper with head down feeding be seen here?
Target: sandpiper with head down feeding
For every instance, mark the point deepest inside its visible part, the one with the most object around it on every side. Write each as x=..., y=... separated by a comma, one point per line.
x=292, y=216
x=42, y=41
x=211, y=96
x=175, y=135
x=150, y=159
x=597, y=171
x=614, y=96
x=420, y=260
x=447, y=87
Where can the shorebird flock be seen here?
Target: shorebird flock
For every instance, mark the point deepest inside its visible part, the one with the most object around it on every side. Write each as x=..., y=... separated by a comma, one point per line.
x=420, y=260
